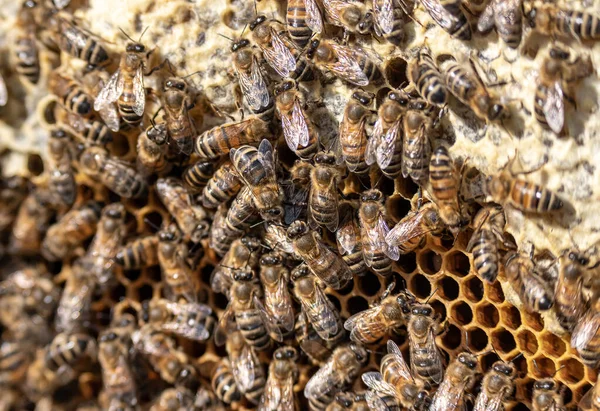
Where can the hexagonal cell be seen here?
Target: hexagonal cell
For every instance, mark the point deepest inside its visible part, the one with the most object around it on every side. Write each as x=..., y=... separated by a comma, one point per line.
x=457, y=263
x=527, y=342
x=571, y=370
x=395, y=71
x=581, y=391
x=406, y=187
x=153, y=221
x=487, y=360
x=407, y=263
x=476, y=340
x=510, y=317
x=487, y=315
x=420, y=286
x=439, y=308
x=473, y=289
x=461, y=313
x=335, y=301
x=503, y=341
x=356, y=305
x=552, y=345
x=35, y=164
x=533, y=320
x=347, y=288
x=452, y=337
x=397, y=207
x=448, y=288
x=429, y=262
x=368, y=284
x=543, y=367
x=145, y=292
x=494, y=292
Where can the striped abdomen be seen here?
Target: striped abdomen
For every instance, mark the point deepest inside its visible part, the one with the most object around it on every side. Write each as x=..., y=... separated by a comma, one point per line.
x=394, y=169
x=253, y=330
x=378, y=261
x=426, y=364
x=532, y=197
x=79, y=44
x=198, y=175
x=255, y=391
x=182, y=132
x=590, y=350
x=27, y=59
x=321, y=403
x=428, y=81
x=296, y=23
x=370, y=69
x=76, y=100
x=139, y=253
x=220, y=140
x=415, y=158
x=459, y=82
x=570, y=305
x=304, y=71
x=62, y=183
x=540, y=97
x=354, y=146
x=223, y=185
x=223, y=383
x=369, y=332
x=444, y=186
x=355, y=261
x=239, y=215
x=511, y=29
x=96, y=132
x=323, y=206
x=308, y=152
x=14, y=361
x=581, y=24
x=397, y=34
x=66, y=350
x=391, y=371
x=460, y=28
x=127, y=99
x=485, y=255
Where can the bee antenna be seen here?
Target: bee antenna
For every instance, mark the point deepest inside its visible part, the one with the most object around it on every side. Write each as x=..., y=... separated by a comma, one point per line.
x=190, y=75
x=432, y=294
x=245, y=27
x=517, y=356
x=538, y=368
x=225, y=37
x=558, y=369
x=143, y=32
x=257, y=224
x=255, y=9
x=126, y=35
x=151, y=224
x=404, y=282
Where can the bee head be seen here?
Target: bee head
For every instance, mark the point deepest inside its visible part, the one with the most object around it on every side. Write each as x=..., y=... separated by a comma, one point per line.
x=297, y=229
x=423, y=310
x=359, y=352
x=363, y=97
x=468, y=360
x=135, y=48
x=559, y=53
x=545, y=385
x=285, y=353
x=115, y=211
x=504, y=368
x=271, y=214
x=243, y=275
x=175, y=83
x=531, y=17
x=312, y=48
x=239, y=44
x=324, y=158
x=169, y=234
x=399, y=97
x=579, y=259
x=257, y=21
x=58, y=133
x=371, y=195
x=271, y=259
x=300, y=271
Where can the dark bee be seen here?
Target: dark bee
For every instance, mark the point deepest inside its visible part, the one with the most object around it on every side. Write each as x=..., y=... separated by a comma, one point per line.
x=535, y=294
x=449, y=16
x=424, y=74
x=25, y=51
x=507, y=17
x=221, y=187
x=197, y=176
x=71, y=94
x=551, y=20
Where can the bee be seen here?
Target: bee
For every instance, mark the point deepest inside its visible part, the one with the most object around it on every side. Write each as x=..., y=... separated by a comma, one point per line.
x=551, y=20
x=303, y=18
x=340, y=370
x=13, y=191
x=207, y=400
x=426, y=361
x=547, y=396
x=36, y=290
x=221, y=187
x=352, y=16
x=126, y=85
x=3, y=92
x=68, y=233
x=490, y=222
x=349, y=401
x=256, y=169
x=309, y=341
x=25, y=50
x=31, y=223
x=324, y=263
x=141, y=252
x=197, y=176
x=424, y=74
x=277, y=239
x=449, y=16
x=507, y=17
x=171, y=399
x=244, y=252
x=114, y=347
x=238, y=219
x=247, y=370
x=94, y=81
x=88, y=131
x=349, y=64
x=591, y=399
x=15, y=358
x=220, y=237
x=274, y=277
x=378, y=251
x=369, y=326
x=296, y=190
x=172, y=254
x=71, y=95
x=223, y=384
x=388, y=21
x=267, y=35
x=416, y=148
x=299, y=132
x=117, y=175
x=385, y=145
x=283, y=374
x=318, y=309
x=177, y=100
x=394, y=385
x=221, y=139
x=349, y=241
x=445, y=185
x=467, y=87
x=353, y=136
x=66, y=350
x=585, y=336
x=305, y=72
x=496, y=387
x=193, y=321
x=569, y=300
x=74, y=308
x=178, y=201
x=61, y=181
x=459, y=378
x=323, y=198
x=151, y=156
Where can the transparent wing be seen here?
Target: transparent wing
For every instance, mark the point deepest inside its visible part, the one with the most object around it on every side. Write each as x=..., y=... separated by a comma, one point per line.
x=384, y=14
x=265, y=149
x=254, y=88
x=320, y=311
x=276, y=239
x=139, y=93
x=352, y=135
x=374, y=381
x=375, y=403
x=3, y=92
x=295, y=129
x=225, y=324
x=486, y=21
x=191, y=327
x=61, y=4
x=243, y=367
x=110, y=92
x=585, y=331
x=486, y=402
x=448, y=396
x=373, y=143
x=320, y=383
x=387, y=145
x=313, y=16
x=408, y=228
x=332, y=11
x=268, y=320
x=366, y=315
x=439, y=14
x=346, y=237
x=431, y=351
x=279, y=57
x=390, y=250
x=110, y=115
x=554, y=108
x=283, y=305
x=346, y=65
x=402, y=366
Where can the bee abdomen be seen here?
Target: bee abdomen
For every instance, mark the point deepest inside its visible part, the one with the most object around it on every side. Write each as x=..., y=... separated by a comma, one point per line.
x=254, y=393
x=296, y=23
x=223, y=383
x=198, y=175
x=394, y=169
x=511, y=33
x=128, y=115
x=485, y=255
x=27, y=59
x=356, y=262
x=443, y=185
x=461, y=28
x=253, y=330
x=66, y=350
x=63, y=185
x=579, y=23
x=98, y=133
x=221, y=187
x=532, y=197
x=77, y=101
x=538, y=106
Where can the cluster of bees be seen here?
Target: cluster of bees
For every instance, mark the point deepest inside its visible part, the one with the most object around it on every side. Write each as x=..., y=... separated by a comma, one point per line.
x=229, y=195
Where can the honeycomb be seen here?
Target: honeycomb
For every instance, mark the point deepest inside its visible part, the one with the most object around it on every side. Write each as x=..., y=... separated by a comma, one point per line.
x=481, y=318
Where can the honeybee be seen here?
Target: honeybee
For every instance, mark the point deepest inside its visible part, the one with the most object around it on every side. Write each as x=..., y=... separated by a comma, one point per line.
x=296, y=190
x=349, y=401
x=460, y=376
x=239, y=217
x=219, y=140
x=94, y=80
x=256, y=169
x=223, y=384
x=177, y=100
x=426, y=361
x=223, y=185
x=68, y=233
x=283, y=374
x=15, y=358
x=353, y=136
x=323, y=198
x=490, y=222
x=569, y=300
x=220, y=237
x=388, y=21
x=507, y=17
x=197, y=176
x=450, y=17
x=591, y=399
x=114, y=347
x=31, y=223
x=394, y=385
x=172, y=254
x=66, y=350
x=551, y=20
x=178, y=201
x=139, y=253
x=247, y=370
x=496, y=387
x=444, y=183
x=416, y=148
x=70, y=93
x=318, y=309
x=349, y=241
x=424, y=74
x=244, y=252
x=339, y=371
x=73, y=311
x=305, y=71
x=193, y=321
x=3, y=92
x=25, y=50
x=547, y=396
x=324, y=263
x=303, y=18
x=309, y=341
x=274, y=49
x=299, y=132
x=174, y=399
x=586, y=334
x=115, y=174
x=274, y=277
x=151, y=156
x=207, y=400
x=36, y=290
x=369, y=326
x=61, y=181
x=349, y=64
x=126, y=85
x=385, y=145
x=13, y=190
x=354, y=17
x=88, y=131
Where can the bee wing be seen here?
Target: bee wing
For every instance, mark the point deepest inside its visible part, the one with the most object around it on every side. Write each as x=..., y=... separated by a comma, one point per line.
x=320, y=384
x=3, y=92
x=191, y=329
x=375, y=403
x=295, y=129
x=268, y=320
x=332, y=11
x=313, y=16
x=243, y=368
x=439, y=13
x=408, y=228
x=485, y=402
x=346, y=65
x=346, y=237
x=278, y=395
x=585, y=330
x=448, y=396
x=61, y=4
x=139, y=93
x=430, y=347
x=110, y=92
x=402, y=366
x=378, y=239
x=486, y=21
x=321, y=312
x=387, y=145
x=586, y=402
x=282, y=295
x=144, y=344
x=373, y=143
x=384, y=15
x=265, y=149
x=554, y=108
x=277, y=239
x=351, y=322
x=110, y=116
x=374, y=380
x=224, y=326
x=352, y=134
x=254, y=88
x=279, y=57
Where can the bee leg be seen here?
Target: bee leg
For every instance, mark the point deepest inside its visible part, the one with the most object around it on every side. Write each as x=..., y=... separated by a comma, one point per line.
x=160, y=66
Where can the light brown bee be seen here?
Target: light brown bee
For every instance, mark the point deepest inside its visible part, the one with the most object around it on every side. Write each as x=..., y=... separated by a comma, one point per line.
x=547, y=396
x=534, y=292
x=220, y=237
x=246, y=368
x=73, y=311
x=177, y=100
x=223, y=384
x=353, y=136
x=349, y=241
x=324, y=263
x=178, y=201
x=151, y=156
x=323, y=198
x=551, y=20
x=94, y=81
x=497, y=386
x=15, y=358
x=310, y=343
x=219, y=140
x=300, y=134
x=172, y=254
x=238, y=219
x=460, y=377
x=68, y=233
x=349, y=401
x=61, y=181
x=221, y=187
x=570, y=302
x=394, y=386
x=86, y=130
x=275, y=50
x=70, y=93
x=339, y=371
x=445, y=185
x=173, y=399
x=256, y=169
x=274, y=277
x=141, y=252
x=198, y=175
x=303, y=18
x=13, y=190
x=66, y=350
x=25, y=50
x=31, y=223
x=425, y=75
x=416, y=147
x=353, y=17
x=243, y=254
x=591, y=400
x=490, y=222
x=317, y=308
x=388, y=20
x=283, y=374
x=349, y=64
x=507, y=17
x=115, y=174
x=585, y=337
x=426, y=361
x=193, y=321
x=450, y=17
x=207, y=400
